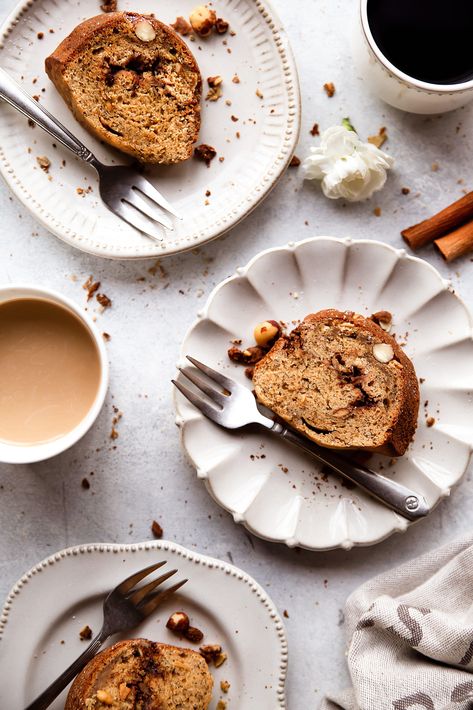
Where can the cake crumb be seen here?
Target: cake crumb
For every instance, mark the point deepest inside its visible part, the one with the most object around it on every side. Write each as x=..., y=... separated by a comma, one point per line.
x=157, y=530
x=377, y=212
x=181, y=26
x=329, y=89
x=314, y=131
x=259, y=94
x=43, y=162
x=224, y=686
x=434, y=167
x=405, y=190
x=91, y=287
x=205, y=153
x=221, y=705
x=106, y=336
x=40, y=35
x=85, y=633
x=236, y=79
x=85, y=483
x=109, y=6
x=104, y=300
x=430, y=421
x=285, y=614
x=295, y=162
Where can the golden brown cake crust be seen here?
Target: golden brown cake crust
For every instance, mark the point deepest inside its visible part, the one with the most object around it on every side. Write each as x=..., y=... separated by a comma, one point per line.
x=158, y=676
x=141, y=97
x=282, y=386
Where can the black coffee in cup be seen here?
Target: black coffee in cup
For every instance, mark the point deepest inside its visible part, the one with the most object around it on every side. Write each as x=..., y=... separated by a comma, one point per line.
x=430, y=40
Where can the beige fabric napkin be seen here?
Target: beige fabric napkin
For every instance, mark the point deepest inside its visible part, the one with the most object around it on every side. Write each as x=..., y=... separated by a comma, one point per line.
x=410, y=636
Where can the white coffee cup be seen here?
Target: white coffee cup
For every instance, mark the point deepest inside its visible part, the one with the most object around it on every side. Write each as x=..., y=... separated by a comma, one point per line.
x=30, y=453
x=393, y=85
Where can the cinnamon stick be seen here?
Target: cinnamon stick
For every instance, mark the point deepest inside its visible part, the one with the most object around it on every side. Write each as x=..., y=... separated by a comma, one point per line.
x=457, y=243
x=441, y=223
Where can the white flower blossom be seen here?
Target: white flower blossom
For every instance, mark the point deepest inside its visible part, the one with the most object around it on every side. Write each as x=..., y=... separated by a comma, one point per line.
x=346, y=166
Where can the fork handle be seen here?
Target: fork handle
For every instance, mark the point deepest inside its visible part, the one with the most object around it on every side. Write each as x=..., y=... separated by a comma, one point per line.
x=44, y=700
x=12, y=93
x=399, y=498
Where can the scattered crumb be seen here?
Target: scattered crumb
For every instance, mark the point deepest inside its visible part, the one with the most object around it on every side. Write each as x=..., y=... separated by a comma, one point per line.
x=215, y=91
x=85, y=484
x=380, y=138
x=236, y=79
x=104, y=300
x=106, y=336
x=220, y=659
x=234, y=118
x=157, y=530
x=109, y=6
x=237, y=134
x=40, y=35
x=224, y=686
x=205, y=153
x=91, y=287
x=259, y=94
x=181, y=26
x=430, y=421
x=221, y=159
x=405, y=190
x=329, y=89
x=285, y=614
x=85, y=633
x=43, y=162
x=314, y=131
x=221, y=705
x=434, y=167
x=377, y=211
x=114, y=434
x=295, y=162
x=207, y=193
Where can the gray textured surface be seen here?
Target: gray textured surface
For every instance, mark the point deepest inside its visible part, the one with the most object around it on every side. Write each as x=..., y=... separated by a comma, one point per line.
x=44, y=508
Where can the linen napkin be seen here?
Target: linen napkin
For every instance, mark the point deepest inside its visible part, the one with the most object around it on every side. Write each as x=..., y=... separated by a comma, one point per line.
x=410, y=636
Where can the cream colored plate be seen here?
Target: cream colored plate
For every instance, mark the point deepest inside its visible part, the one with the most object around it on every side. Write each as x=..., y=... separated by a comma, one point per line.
x=259, y=53
x=277, y=492
x=47, y=607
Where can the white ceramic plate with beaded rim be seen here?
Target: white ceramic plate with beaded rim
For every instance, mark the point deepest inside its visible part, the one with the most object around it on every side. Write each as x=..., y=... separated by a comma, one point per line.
x=268, y=127
x=273, y=489
x=47, y=607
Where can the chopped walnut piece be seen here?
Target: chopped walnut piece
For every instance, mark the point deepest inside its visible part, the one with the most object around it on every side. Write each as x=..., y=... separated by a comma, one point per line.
x=181, y=26
x=224, y=686
x=250, y=356
x=205, y=153
x=314, y=131
x=329, y=89
x=214, y=93
x=193, y=635
x=221, y=26
x=91, y=287
x=44, y=163
x=210, y=652
x=380, y=138
x=214, y=80
x=85, y=633
x=383, y=318
x=295, y=162
x=104, y=300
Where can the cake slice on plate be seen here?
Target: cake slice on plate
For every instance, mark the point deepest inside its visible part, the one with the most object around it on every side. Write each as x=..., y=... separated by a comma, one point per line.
x=132, y=82
x=344, y=382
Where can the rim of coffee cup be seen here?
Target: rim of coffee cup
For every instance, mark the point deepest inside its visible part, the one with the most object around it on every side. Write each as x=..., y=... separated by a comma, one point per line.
x=406, y=78
x=12, y=453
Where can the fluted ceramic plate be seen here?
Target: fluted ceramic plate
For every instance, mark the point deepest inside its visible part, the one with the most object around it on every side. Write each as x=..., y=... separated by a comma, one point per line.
x=50, y=604
x=267, y=125
x=279, y=493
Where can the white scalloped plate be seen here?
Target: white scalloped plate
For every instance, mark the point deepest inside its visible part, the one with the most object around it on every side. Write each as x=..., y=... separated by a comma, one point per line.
x=47, y=607
x=269, y=127
x=277, y=492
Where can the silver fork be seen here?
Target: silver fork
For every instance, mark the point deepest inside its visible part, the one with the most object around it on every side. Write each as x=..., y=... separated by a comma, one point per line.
x=123, y=609
x=124, y=191
x=233, y=406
